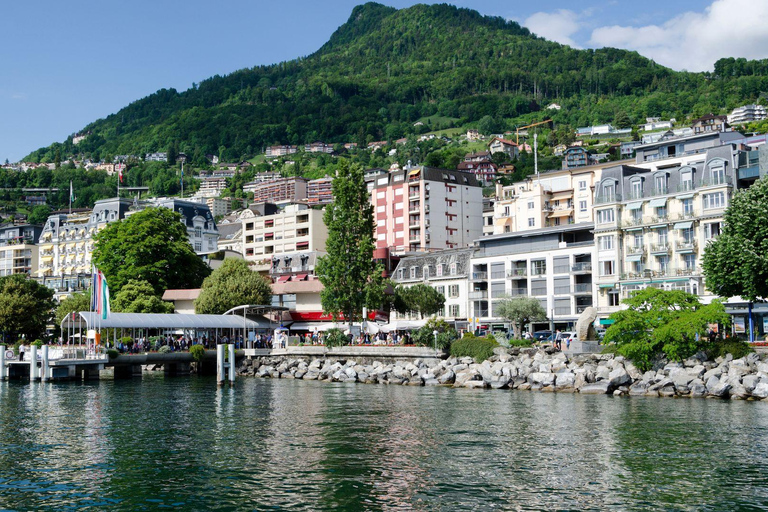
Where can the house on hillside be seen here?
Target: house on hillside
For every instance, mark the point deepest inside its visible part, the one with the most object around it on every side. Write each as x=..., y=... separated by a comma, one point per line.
x=473, y=135
x=710, y=123
x=576, y=157
x=499, y=145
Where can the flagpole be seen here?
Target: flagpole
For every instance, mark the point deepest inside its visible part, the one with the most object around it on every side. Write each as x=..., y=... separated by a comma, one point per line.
x=182, y=179
x=118, y=185
x=70, y=197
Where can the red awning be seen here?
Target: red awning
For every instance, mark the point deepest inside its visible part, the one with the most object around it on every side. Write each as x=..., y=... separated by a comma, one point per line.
x=299, y=277
x=283, y=279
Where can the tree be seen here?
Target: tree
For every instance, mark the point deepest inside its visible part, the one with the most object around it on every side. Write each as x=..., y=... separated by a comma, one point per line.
x=173, y=152
x=232, y=284
x=151, y=245
x=674, y=323
x=350, y=277
x=39, y=214
x=73, y=304
x=622, y=120
x=139, y=297
x=419, y=298
x=735, y=263
x=520, y=311
x=26, y=307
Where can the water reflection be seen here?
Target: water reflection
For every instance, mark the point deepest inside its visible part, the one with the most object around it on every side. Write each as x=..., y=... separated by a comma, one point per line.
x=132, y=445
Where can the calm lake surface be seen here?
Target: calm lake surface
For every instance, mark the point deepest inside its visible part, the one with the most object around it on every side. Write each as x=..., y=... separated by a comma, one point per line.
x=264, y=444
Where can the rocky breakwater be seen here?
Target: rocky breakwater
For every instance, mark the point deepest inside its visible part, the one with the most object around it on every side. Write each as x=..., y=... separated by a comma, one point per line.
x=542, y=370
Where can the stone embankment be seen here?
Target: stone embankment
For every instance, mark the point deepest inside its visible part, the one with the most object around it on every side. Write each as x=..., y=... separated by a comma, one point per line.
x=536, y=369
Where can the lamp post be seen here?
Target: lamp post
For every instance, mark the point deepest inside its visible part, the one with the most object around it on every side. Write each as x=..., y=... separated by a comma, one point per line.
x=434, y=333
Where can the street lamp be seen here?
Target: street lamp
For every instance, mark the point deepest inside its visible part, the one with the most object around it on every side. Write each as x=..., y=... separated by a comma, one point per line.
x=434, y=333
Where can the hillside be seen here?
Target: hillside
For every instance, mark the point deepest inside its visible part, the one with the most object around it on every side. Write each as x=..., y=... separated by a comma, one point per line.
x=385, y=68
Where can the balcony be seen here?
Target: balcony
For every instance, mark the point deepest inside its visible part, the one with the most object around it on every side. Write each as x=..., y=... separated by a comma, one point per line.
x=497, y=294
x=581, y=267
x=478, y=294
x=686, y=186
x=499, y=274
x=659, y=248
x=582, y=288
x=518, y=292
x=478, y=276
x=632, y=221
x=660, y=219
x=635, y=249
x=660, y=191
x=607, y=198
x=414, y=236
x=685, y=245
x=562, y=290
x=687, y=215
x=518, y=273
x=709, y=182
x=414, y=207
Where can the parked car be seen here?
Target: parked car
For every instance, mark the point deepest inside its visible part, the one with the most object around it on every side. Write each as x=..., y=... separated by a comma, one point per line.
x=542, y=335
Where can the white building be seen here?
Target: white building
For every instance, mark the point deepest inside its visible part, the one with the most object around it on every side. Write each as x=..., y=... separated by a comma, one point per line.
x=747, y=114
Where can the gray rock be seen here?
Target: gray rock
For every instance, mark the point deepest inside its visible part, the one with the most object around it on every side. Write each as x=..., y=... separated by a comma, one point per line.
x=761, y=390
x=638, y=389
x=714, y=372
x=447, y=378
x=431, y=382
x=720, y=389
x=500, y=383
x=749, y=382
x=476, y=384
x=565, y=380
x=602, y=373
x=544, y=379
x=619, y=377
x=698, y=389
x=680, y=377
x=598, y=388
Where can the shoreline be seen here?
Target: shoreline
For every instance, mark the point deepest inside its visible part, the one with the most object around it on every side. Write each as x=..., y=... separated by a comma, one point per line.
x=535, y=369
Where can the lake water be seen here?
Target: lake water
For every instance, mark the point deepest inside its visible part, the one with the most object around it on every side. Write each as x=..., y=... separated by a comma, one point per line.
x=265, y=444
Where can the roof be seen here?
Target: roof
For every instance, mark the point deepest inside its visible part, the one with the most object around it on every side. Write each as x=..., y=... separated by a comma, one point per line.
x=165, y=321
x=582, y=226
x=311, y=286
x=190, y=294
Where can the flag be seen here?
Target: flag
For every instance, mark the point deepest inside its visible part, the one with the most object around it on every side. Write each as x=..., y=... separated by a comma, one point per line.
x=71, y=193
x=100, y=294
x=120, y=168
x=105, y=311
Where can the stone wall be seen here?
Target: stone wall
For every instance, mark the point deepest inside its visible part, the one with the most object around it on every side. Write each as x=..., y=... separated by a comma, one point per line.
x=533, y=369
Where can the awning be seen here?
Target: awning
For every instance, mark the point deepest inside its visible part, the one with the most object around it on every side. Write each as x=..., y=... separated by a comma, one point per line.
x=413, y=172
x=299, y=277
x=561, y=213
x=611, y=285
x=606, y=321
x=685, y=196
x=635, y=206
x=634, y=257
x=314, y=326
x=634, y=228
x=658, y=226
x=658, y=202
x=166, y=321
x=684, y=225
x=283, y=279
x=503, y=221
x=559, y=196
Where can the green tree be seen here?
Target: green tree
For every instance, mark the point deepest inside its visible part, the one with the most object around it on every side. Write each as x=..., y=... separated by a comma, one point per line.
x=74, y=303
x=520, y=311
x=139, y=297
x=26, y=307
x=419, y=298
x=656, y=322
x=621, y=120
x=151, y=245
x=350, y=277
x=735, y=263
x=39, y=214
x=232, y=284
x=172, y=152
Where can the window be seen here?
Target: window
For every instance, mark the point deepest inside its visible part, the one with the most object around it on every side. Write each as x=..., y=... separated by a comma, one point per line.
x=454, y=310
x=413, y=272
x=198, y=232
x=439, y=270
x=613, y=299
x=400, y=273
x=531, y=205
x=636, y=214
x=686, y=180
x=663, y=236
x=687, y=235
x=453, y=269
x=711, y=230
x=607, y=268
x=582, y=185
x=717, y=172
x=198, y=246
x=662, y=262
x=605, y=216
x=660, y=184
x=453, y=291
x=637, y=189
x=716, y=200
x=425, y=274
x=605, y=242
x=638, y=240
x=582, y=206
x=687, y=206
x=661, y=212
x=531, y=222
x=689, y=261
x=538, y=267
x=609, y=192
x=440, y=290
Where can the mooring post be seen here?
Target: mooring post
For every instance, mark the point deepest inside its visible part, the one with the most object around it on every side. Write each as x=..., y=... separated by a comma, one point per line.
x=45, y=370
x=32, y=363
x=231, y=348
x=3, y=369
x=220, y=375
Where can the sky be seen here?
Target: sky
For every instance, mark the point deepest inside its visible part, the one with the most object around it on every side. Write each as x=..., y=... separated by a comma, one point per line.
x=66, y=64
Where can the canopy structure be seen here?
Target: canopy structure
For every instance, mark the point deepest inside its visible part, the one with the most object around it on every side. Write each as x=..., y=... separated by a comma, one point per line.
x=403, y=325
x=163, y=321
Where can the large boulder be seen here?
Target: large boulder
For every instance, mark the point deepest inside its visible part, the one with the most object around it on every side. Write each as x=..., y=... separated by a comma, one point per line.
x=598, y=388
x=565, y=380
x=761, y=390
x=619, y=377
x=585, y=326
x=544, y=379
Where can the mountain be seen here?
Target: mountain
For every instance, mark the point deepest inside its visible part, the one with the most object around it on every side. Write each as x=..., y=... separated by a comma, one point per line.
x=385, y=68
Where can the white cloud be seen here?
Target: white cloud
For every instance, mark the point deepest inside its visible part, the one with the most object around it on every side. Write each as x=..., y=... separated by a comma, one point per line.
x=18, y=96
x=556, y=26
x=695, y=40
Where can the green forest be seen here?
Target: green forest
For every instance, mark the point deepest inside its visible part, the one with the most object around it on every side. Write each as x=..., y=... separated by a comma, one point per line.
x=385, y=69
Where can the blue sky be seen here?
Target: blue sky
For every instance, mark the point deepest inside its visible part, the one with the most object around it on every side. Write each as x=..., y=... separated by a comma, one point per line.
x=65, y=64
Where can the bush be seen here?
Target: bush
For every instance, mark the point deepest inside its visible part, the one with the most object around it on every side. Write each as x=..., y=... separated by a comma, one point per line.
x=127, y=340
x=197, y=352
x=736, y=348
x=335, y=338
x=479, y=349
x=165, y=349
x=112, y=353
x=520, y=342
x=38, y=343
x=425, y=337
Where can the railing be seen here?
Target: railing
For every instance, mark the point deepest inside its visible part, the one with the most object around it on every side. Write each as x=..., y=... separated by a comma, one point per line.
x=562, y=290
x=607, y=198
x=497, y=294
x=635, y=249
x=482, y=313
x=581, y=267
x=686, y=245
x=582, y=288
x=660, y=219
x=518, y=292
x=499, y=274
x=478, y=294
x=686, y=216
x=686, y=186
x=478, y=276
x=518, y=272
x=581, y=308
x=632, y=221
x=635, y=195
x=655, y=248
x=709, y=182
x=660, y=191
